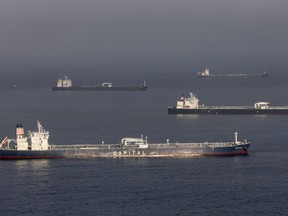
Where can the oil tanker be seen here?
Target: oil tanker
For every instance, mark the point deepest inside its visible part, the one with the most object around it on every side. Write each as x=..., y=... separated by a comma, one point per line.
x=190, y=105
x=66, y=85
x=36, y=146
x=206, y=74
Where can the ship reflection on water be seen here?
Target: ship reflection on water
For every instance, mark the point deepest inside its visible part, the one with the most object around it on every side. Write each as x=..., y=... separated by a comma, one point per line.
x=34, y=167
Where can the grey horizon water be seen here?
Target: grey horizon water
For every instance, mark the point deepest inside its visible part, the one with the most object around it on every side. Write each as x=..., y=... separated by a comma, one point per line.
x=165, y=186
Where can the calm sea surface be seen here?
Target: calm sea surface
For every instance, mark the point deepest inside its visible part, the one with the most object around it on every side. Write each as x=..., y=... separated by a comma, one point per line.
x=253, y=185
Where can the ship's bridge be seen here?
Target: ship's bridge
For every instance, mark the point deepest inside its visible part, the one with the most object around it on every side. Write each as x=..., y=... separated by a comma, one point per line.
x=204, y=73
x=188, y=103
x=261, y=105
x=64, y=82
x=106, y=84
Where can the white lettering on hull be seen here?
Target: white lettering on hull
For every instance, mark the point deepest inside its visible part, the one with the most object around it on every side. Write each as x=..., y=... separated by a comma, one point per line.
x=126, y=153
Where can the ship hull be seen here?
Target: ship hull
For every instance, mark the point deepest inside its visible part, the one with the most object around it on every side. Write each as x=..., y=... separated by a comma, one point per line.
x=29, y=154
x=113, y=151
x=211, y=111
x=101, y=88
x=232, y=75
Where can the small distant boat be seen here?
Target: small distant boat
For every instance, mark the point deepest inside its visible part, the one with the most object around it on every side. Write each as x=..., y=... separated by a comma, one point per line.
x=36, y=146
x=206, y=73
x=66, y=85
x=190, y=105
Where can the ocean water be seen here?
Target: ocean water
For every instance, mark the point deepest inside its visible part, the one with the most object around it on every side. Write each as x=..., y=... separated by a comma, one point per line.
x=251, y=185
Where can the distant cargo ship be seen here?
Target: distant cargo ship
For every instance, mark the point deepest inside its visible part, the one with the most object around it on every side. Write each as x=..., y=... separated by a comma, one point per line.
x=66, y=85
x=36, y=146
x=206, y=73
x=189, y=105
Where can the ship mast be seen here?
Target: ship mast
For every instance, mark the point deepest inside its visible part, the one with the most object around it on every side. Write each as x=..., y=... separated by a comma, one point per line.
x=236, y=137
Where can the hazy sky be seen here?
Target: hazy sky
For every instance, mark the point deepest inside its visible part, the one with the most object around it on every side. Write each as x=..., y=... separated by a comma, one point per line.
x=79, y=35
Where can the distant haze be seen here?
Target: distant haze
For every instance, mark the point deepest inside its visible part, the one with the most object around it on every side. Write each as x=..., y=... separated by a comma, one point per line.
x=62, y=36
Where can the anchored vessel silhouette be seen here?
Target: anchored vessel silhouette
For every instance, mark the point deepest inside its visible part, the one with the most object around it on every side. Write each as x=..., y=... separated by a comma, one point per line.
x=190, y=105
x=66, y=85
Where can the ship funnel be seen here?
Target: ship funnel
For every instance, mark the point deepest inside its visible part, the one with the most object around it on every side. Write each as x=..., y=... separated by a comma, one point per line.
x=21, y=140
x=19, y=130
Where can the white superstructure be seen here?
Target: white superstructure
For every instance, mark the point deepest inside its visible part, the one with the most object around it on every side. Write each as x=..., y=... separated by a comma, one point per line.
x=39, y=139
x=261, y=105
x=188, y=103
x=36, y=140
x=106, y=84
x=64, y=82
x=139, y=142
x=204, y=73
